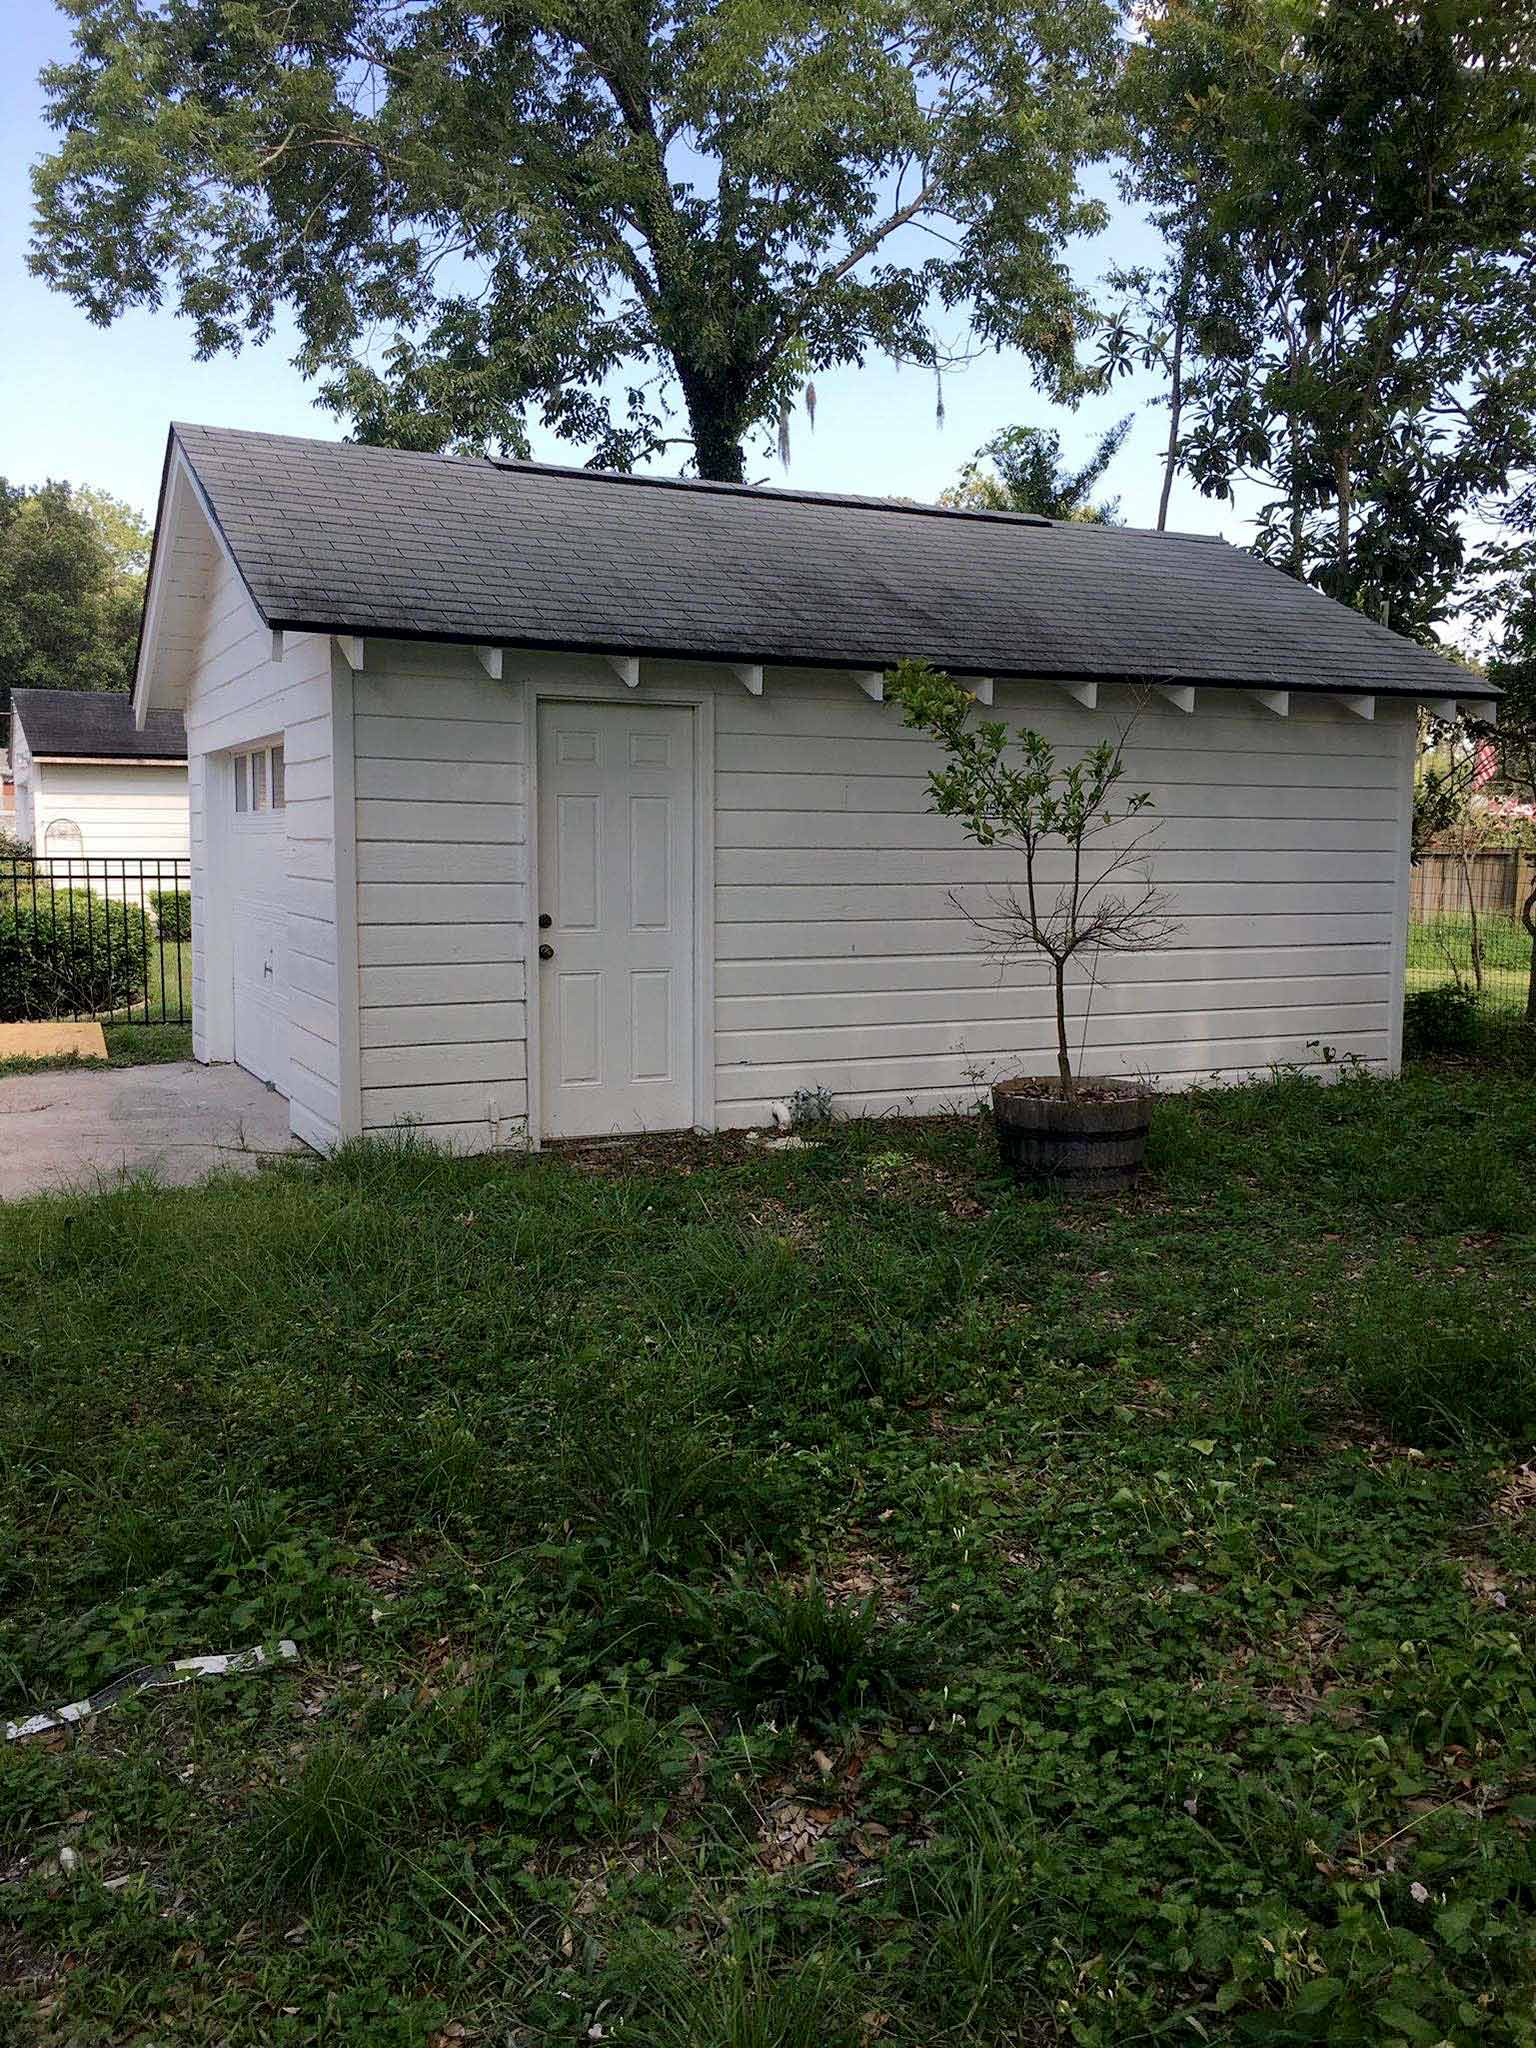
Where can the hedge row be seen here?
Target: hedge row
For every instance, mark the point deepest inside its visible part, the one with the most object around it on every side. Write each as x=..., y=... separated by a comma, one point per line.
x=69, y=952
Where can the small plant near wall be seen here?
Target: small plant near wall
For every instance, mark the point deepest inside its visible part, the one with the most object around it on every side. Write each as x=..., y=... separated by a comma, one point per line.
x=1081, y=894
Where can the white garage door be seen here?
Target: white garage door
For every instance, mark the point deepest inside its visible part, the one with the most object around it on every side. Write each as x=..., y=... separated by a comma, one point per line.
x=257, y=898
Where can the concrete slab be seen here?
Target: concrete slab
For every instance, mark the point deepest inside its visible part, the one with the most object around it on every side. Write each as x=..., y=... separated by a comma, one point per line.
x=179, y=1122
x=50, y=1041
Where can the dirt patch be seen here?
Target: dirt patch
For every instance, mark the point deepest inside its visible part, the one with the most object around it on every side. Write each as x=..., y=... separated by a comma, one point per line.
x=1310, y=1690
x=679, y=1152
x=1516, y=1498
x=864, y=1573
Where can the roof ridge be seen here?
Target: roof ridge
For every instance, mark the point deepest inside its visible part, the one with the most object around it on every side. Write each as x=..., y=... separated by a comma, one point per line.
x=710, y=486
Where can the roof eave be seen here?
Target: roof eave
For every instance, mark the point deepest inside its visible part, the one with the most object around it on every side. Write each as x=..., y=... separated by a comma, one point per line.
x=1458, y=682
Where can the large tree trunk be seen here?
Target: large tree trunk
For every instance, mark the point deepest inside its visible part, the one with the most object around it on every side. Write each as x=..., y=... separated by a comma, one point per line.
x=717, y=451
x=713, y=394
x=1528, y=919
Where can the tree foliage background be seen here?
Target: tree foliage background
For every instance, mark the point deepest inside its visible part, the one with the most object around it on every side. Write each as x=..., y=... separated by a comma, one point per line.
x=596, y=213
x=72, y=567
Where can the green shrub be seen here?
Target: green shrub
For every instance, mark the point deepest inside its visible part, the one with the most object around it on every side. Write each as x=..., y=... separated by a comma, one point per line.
x=66, y=952
x=173, y=915
x=1441, y=1020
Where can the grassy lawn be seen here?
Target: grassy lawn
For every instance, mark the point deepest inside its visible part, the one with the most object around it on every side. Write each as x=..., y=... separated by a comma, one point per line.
x=128, y=1045
x=1437, y=943
x=788, y=1600
x=167, y=995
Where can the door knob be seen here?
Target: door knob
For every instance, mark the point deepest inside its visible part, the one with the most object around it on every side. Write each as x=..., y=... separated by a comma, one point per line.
x=546, y=952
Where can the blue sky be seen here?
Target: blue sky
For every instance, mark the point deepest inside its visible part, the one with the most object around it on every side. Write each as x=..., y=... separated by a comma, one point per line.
x=91, y=404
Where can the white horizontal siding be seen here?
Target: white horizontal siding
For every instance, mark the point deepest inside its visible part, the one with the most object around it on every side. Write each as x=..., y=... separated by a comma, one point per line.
x=237, y=694
x=442, y=870
x=135, y=810
x=840, y=959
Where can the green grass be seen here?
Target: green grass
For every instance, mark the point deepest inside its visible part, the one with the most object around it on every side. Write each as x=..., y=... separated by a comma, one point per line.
x=803, y=1600
x=128, y=1045
x=167, y=995
x=1440, y=950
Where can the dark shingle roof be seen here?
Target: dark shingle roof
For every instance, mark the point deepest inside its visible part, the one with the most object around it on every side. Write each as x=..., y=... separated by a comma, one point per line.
x=386, y=542
x=98, y=722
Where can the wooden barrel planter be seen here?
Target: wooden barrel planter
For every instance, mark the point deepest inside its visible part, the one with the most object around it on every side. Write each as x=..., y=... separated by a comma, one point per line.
x=1091, y=1145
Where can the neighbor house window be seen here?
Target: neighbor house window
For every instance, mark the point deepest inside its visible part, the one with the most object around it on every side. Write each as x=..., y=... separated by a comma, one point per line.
x=259, y=779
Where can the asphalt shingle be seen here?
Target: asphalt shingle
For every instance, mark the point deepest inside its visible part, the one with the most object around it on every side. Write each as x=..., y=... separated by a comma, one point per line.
x=97, y=722
x=335, y=537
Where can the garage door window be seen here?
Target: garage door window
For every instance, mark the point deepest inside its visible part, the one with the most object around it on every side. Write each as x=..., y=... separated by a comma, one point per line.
x=259, y=780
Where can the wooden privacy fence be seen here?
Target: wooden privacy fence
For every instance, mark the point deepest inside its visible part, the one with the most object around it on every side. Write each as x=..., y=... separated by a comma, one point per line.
x=1498, y=881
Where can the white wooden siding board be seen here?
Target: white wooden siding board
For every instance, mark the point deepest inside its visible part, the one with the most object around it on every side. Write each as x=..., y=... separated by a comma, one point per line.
x=313, y=1014
x=444, y=1024
x=454, y=863
x=837, y=1044
x=875, y=755
x=439, y=821
x=315, y=936
x=311, y=860
x=435, y=739
x=834, y=938
x=769, y=832
x=857, y=974
x=470, y=697
x=449, y=782
x=1195, y=1053
x=312, y=896
x=453, y=1102
x=493, y=981
x=759, y=1018
x=907, y=795
x=810, y=902
x=436, y=945
x=960, y=865
x=438, y=902
x=425, y=1066
x=313, y=976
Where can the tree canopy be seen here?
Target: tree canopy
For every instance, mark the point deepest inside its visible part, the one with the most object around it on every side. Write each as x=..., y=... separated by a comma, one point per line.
x=1021, y=469
x=590, y=212
x=1347, y=310
x=71, y=583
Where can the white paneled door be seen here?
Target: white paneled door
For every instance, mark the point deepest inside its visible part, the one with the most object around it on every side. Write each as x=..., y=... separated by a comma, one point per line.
x=256, y=907
x=616, y=912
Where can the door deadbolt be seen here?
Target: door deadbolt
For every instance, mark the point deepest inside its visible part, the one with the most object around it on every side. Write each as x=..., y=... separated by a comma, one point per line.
x=545, y=920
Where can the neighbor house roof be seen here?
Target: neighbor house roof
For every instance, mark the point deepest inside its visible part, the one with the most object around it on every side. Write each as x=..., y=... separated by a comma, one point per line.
x=96, y=723
x=387, y=542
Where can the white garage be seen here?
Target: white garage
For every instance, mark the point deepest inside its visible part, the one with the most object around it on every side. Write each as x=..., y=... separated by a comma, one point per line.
x=571, y=804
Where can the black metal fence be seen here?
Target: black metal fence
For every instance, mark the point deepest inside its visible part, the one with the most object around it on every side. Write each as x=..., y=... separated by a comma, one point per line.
x=1465, y=930
x=85, y=936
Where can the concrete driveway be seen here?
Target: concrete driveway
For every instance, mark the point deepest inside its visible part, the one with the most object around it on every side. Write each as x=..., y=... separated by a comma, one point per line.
x=180, y=1122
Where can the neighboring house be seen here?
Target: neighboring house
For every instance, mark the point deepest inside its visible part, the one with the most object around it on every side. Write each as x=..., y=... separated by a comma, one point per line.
x=92, y=784
x=528, y=798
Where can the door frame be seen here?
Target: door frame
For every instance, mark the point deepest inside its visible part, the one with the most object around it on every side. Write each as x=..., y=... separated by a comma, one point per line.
x=701, y=702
